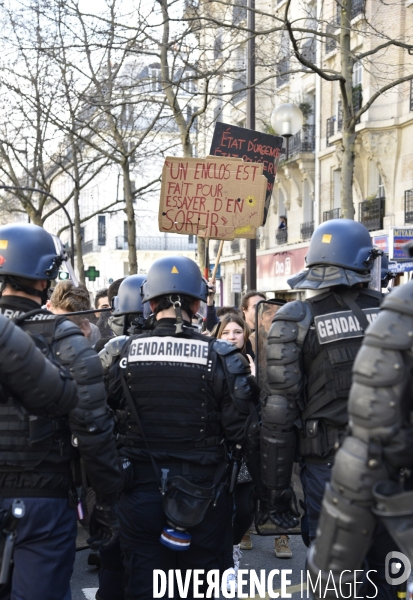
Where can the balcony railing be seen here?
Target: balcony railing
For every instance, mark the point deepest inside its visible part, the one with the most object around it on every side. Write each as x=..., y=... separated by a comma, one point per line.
x=408, y=206
x=334, y=213
x=371, y=213
x=157, y=243
x=91, y=246
x=306, y=230
x=281, y=236
x=303, y=141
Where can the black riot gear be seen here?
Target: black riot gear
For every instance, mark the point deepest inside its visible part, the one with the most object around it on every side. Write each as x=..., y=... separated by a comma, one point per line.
x=186, y=398
x=312, y=346
x=41, y=386
x=174, y=275
x=51, y=444
x=371, y=479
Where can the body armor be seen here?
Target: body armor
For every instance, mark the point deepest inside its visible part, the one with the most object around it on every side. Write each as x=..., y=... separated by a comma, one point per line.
x=367, y=483
x=311, y=349
x=36, y=451
x=190, y=392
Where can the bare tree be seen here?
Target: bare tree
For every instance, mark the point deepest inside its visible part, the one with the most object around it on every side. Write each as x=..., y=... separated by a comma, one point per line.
x=385, y=57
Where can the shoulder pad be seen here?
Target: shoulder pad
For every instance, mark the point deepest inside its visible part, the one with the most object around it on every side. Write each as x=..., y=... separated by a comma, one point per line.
x=400, y=299
x=112, y=349
x=391, y=330
x=65, y=328
x=292, y=324
x=292, y=311
x=223, y=347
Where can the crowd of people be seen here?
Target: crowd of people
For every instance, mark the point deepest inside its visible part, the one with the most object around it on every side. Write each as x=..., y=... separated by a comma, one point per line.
x=182, y=437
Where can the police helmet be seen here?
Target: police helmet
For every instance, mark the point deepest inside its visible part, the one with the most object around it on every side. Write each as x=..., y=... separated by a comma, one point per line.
x=129, y=299
x=29, y=251
x=174, y=275
x=342, y=243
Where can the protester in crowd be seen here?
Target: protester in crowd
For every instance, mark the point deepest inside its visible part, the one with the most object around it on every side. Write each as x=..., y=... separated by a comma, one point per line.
x=115, y=324
x=102, y=302
x=235, y=330
x=67, y=298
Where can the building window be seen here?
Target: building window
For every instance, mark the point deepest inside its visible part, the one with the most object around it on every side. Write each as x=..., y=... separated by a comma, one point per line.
x=101, y=230
x=283, y=67
x=155, y=79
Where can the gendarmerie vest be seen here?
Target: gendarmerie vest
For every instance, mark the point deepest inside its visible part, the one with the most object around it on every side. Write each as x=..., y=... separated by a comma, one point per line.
x=329, y=351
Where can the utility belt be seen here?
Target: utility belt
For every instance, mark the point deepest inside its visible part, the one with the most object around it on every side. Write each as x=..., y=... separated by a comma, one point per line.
x=142, y=476
x=319, y=441
x=125, y=440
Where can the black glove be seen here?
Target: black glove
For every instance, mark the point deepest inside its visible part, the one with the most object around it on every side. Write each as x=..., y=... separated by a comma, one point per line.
x=282, y=508
x=104, y=526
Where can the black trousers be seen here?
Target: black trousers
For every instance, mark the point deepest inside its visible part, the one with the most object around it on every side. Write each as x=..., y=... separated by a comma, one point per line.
x=142, y=520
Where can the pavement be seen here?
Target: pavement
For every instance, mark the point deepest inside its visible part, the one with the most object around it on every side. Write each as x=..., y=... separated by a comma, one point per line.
x=260, y=558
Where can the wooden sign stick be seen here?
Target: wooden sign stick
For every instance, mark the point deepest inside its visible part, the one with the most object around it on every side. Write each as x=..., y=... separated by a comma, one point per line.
x=218, y=257
x=206, y=267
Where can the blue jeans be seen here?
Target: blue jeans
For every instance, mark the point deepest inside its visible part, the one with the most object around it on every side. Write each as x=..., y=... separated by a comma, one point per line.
x=44, y=551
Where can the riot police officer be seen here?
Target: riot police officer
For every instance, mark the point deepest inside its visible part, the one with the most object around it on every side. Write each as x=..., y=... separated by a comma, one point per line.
x=37, y=453
x=184, y=395
x=312, y=346
x=128, y=312
x=370, y=480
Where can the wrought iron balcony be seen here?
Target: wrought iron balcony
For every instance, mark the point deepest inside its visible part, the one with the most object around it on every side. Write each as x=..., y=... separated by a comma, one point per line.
x=281, y=236
x=306, y=230
x=121, y=242
x=91, y=246
x=408, y=206
x=157, y=243
x=303, y=141
x=371, y=213
x=334, y=213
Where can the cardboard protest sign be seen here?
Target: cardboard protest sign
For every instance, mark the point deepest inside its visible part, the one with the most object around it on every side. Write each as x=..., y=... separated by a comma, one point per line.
x=253, y=146
x=214, y=197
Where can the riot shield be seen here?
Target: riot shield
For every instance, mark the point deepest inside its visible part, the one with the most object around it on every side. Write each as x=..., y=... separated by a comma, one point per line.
x=264, y=314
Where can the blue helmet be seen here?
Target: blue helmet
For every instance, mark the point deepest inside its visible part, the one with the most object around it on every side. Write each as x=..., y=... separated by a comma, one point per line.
x=129, y=298
x=174, y=275
x=341, y=243
x=29, y=251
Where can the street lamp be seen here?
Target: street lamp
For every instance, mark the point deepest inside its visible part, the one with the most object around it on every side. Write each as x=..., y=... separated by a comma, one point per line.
x=287, y=120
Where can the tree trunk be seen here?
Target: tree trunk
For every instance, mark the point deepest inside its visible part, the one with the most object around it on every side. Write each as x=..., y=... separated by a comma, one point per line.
x=78, y=238
x=172, y=98
x=130, y=213
x=349, y=124
x=347, y=168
